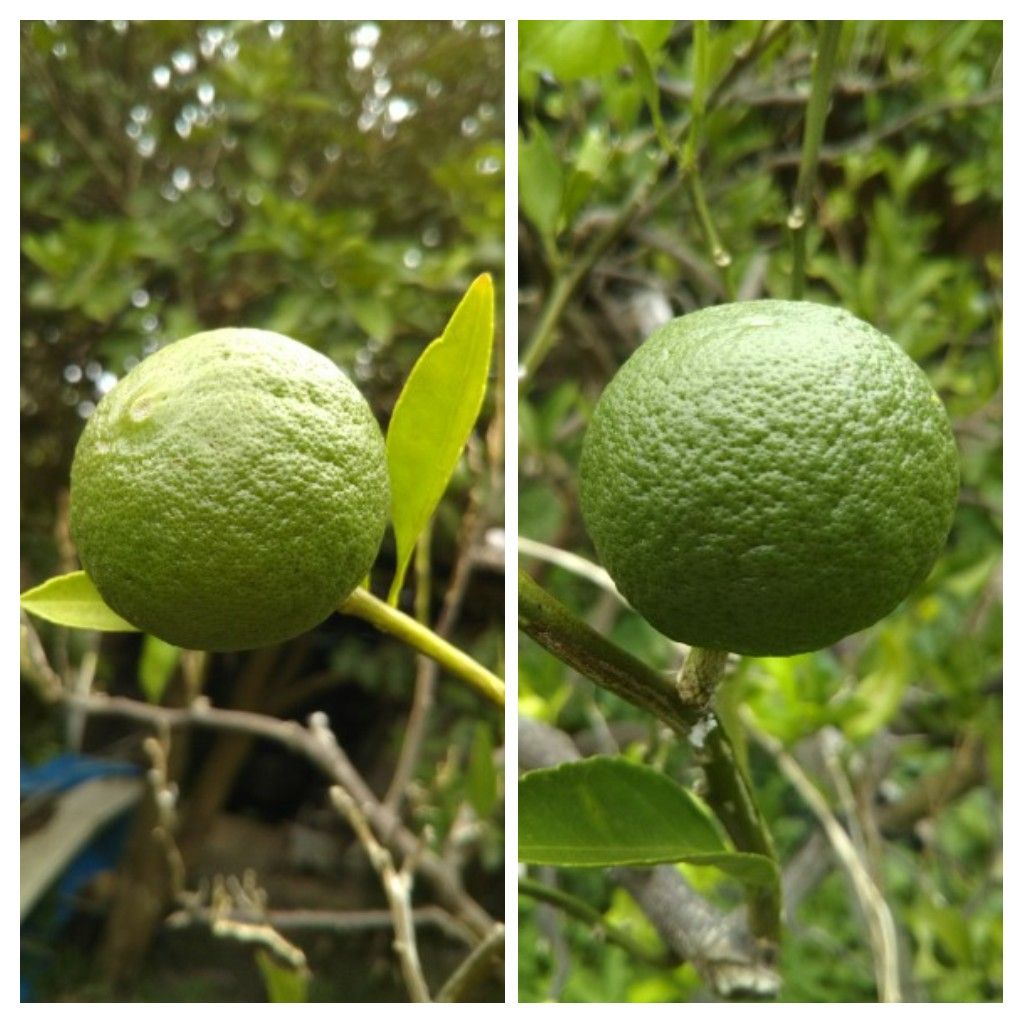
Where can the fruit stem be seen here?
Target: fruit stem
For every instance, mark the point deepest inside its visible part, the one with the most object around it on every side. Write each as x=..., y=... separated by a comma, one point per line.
x=814, y=130
x=700, y=675
x=379, y=614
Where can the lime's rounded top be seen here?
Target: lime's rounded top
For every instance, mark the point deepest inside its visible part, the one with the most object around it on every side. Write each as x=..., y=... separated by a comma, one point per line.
x=230, y=491
x=767, y=477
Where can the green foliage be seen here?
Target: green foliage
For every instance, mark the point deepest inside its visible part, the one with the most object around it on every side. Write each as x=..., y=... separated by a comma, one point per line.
x=905, y=232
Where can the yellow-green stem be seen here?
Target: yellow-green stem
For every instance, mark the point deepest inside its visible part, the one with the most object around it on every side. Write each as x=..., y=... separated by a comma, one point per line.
x=363, y=605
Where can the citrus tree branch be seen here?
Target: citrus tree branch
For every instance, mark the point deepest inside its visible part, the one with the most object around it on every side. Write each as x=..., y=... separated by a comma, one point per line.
x=318, y=746
x=573, y=642
x=814, y=130
x=685, y=708
x=379, y=614
x=397, y=887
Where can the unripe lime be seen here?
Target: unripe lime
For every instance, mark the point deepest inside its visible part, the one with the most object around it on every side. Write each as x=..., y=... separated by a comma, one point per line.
x=230, y=491
x=768, y=477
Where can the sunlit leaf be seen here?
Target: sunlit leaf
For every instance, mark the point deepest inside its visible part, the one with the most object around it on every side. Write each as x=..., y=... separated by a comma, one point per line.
x=74, y=601
x=433, y=418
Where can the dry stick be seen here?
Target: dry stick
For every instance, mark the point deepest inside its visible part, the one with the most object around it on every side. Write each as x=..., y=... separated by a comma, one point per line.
x=966, y=770
x=329, y=758
x=474, y=968
x=881, y=927
x=571, y=562
x=814, y=130
x=398, y=890
x=342, y=921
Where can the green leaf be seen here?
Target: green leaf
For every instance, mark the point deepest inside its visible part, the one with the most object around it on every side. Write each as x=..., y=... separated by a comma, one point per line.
x=651, y=35
x=590, y=166
x=607, y=811
x=642, y=68
x=433, y=418
x=74, y=601
x=482, y=778
x=541, y=182
x=569, y=49
x=156, y=666
x=284, y=982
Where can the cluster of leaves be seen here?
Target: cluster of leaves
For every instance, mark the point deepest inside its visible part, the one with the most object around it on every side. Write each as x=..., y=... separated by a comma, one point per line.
x=338, y=182
x=905, y=232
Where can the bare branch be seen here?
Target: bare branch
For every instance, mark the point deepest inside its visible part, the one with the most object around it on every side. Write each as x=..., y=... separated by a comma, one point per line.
x=398, y=890
x=330, y=759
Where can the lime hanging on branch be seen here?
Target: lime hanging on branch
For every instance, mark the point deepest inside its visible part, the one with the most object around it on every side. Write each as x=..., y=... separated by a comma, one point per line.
x=230, y=491
x=768, y=477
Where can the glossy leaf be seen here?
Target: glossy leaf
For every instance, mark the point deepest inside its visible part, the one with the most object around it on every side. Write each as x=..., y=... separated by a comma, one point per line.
x=607, y=811
x=74, y=601
x=434, y=415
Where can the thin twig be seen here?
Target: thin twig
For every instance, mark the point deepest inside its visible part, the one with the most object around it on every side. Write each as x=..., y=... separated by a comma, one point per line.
x=329, y=758
x=881, y=926
x=897, y=125
x=342, y=921
x=398, y=891
x=573, y=642
x=474, y=968
x=814, y=129
x=576, y=564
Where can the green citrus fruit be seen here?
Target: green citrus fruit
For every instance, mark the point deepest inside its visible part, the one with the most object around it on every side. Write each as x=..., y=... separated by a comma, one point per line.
x=230, y=491
x=768, y=477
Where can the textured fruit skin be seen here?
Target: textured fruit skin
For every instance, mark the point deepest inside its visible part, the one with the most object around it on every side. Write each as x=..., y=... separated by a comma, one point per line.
x=230, y=491
x=768, y=477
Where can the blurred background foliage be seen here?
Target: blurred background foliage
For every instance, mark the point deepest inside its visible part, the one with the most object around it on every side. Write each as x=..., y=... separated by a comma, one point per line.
x=906, y=233
x=338, y=182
